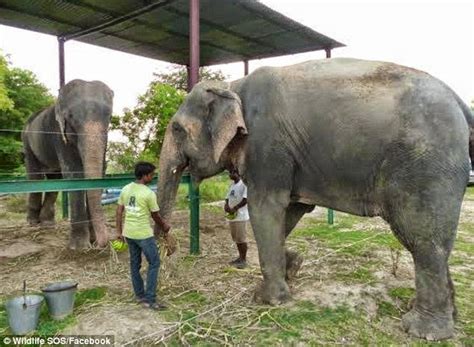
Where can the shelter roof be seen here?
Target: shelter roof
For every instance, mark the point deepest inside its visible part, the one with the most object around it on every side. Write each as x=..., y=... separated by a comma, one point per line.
x=230, y=30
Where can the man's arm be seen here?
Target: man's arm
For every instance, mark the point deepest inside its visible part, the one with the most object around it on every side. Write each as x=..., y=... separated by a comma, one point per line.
x=119, y=221
x=226, y=206
x=165, y=227
x=239, y=205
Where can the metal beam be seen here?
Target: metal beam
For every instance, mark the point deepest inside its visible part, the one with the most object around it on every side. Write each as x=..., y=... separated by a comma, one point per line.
x=37, y=186
x=116, y=21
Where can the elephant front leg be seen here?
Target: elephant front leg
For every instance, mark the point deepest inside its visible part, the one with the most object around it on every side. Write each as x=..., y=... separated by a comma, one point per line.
x=268, y=223
x=34, y=208
x=47, y=214
x=79, y=222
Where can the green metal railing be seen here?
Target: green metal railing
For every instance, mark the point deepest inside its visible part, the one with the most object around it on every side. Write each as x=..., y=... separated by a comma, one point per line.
x=19, y=185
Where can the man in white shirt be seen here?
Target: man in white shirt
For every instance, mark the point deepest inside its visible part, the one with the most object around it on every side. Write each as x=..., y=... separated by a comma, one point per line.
x=238, y=215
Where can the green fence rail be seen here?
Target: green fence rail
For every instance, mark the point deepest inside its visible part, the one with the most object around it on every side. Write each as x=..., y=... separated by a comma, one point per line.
x=20, y=185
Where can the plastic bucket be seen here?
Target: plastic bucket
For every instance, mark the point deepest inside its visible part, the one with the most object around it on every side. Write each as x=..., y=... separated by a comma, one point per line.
x=24, y=319
x=60, y=298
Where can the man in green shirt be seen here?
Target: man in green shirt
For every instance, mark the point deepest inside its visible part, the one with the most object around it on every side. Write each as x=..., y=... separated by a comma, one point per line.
x=139, y=203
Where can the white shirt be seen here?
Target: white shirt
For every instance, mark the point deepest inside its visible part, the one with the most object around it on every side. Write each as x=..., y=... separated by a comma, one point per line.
x=237, y=192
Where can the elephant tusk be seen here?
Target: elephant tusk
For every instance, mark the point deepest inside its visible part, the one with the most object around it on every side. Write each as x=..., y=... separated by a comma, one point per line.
x=174, y=171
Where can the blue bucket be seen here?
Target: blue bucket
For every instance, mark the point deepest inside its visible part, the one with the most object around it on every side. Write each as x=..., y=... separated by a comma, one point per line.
x=24, y=318
x=60, y=298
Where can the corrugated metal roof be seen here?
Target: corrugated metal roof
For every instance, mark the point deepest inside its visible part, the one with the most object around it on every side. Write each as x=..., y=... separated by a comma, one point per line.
x=231, y=30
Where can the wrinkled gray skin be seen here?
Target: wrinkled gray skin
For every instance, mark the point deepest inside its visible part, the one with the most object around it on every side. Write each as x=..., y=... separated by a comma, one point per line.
x=73, y=147
x=363, y=137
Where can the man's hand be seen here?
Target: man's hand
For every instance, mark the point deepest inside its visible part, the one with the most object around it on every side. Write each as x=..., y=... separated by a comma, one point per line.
x=165, y=228
x=120, y=237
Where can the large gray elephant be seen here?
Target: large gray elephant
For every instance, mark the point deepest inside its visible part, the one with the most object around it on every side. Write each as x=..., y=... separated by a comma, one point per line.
x=69, y=140
x=364, y=137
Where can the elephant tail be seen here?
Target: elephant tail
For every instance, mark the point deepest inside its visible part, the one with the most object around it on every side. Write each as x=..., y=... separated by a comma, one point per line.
x=470, y=121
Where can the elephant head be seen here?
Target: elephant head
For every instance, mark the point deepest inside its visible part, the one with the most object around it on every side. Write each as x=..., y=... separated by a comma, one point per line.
x=200, y=137
x=83, y=111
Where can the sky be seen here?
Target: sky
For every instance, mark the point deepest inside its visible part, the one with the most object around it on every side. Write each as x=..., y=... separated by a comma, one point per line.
x=433, y=36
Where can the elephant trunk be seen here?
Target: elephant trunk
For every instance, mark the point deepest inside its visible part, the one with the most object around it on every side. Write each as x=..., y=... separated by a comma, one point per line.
x=172, y=164
x=93, y=149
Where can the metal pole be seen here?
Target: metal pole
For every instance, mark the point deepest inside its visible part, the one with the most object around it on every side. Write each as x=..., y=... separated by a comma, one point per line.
x=328, y=52
x=62, y=81
x=330, y=211
x=193, y=78
x=61, y=62
x=246, y=67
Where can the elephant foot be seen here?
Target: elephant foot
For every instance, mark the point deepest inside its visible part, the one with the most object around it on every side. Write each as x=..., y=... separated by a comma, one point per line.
x=429, y=327
x=293, y=264
x=274, y=293
x=78, y=243
x=33, y=222
x=100, y=240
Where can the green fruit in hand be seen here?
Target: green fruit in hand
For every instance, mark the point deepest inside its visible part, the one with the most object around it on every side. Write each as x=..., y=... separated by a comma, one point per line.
x=119, y=245
x=231, y=216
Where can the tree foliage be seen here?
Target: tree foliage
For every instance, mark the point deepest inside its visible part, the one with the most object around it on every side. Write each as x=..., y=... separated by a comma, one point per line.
x=144, y=127
x=25, y=95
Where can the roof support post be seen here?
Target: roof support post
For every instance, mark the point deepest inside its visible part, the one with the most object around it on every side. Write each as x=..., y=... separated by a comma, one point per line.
x=246, y=67
x=193, y=43
x=328, y=52
x=193, y=78
x=330, y=211
x=62, y=76
x=62, y=81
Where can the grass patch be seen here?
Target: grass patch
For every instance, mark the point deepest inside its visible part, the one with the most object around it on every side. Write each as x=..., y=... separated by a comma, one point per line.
x=385, y=308
x=16, y=203
x=363, y=274
x=192, y=298
x=343, y=234
x=469, y=195
x=402, y=295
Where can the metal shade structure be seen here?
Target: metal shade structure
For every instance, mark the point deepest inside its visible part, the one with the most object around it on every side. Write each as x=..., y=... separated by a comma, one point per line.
x=230, y=30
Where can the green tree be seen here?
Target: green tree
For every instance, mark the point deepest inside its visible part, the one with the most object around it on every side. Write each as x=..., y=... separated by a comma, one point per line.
x=144, y=127
x=5, y=102
x=177, y=76
x=25, y=95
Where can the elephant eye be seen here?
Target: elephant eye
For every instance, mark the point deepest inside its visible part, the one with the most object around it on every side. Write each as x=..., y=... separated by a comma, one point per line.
x=177, y=128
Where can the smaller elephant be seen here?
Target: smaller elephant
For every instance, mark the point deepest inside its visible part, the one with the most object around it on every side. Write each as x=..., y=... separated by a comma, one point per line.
x=69, y=140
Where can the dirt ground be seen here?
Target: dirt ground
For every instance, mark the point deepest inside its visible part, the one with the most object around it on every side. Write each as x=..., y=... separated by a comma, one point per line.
x=40, y=256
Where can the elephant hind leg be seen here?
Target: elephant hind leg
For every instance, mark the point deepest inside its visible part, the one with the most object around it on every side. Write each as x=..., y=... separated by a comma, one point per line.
x=426, y=225
x=47, y=215
x=294, y=260
x=34, y=171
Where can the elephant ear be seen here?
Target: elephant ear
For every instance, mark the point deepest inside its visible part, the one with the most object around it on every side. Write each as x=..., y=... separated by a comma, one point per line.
x=61, y=113
x=226, y=119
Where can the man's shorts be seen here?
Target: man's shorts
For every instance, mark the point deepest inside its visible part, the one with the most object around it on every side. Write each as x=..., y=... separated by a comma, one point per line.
x=238, y=230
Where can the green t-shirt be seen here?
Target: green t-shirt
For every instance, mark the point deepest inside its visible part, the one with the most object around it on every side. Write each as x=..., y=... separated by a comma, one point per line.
x=139, y=202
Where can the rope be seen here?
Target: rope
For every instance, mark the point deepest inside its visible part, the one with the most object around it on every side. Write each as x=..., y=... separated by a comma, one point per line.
x=49, y=132
x=344, y=247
